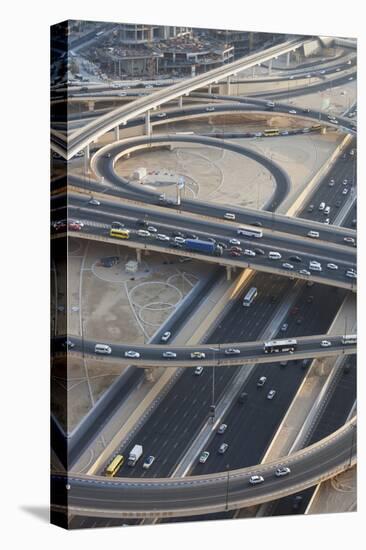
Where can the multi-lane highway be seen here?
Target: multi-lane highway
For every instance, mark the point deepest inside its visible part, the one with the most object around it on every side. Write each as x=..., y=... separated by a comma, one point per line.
x=173, y=426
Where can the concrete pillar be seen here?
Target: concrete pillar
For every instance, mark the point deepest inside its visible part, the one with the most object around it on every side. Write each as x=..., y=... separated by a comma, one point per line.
x=323, y=131
x=138, y=255
x=228, y=273
x=147, y=124
x=210, y=88
x=270, y=66
x=116, y=133
x=149, y=374
x=91, y=105
x=288, y=59
x=253, y=71
x=86, y=159
x=228, y=85
x=180, y=102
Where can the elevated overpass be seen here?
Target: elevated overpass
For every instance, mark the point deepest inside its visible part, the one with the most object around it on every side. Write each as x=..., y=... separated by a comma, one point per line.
x=150, y=355
x=82, y=138
x=195, y=495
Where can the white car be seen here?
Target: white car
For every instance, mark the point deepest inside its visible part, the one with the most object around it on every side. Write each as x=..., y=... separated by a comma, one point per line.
x=132, y=354
x=204, y=456
x=165, y=337
x=161, y=115
x=350, y=240
x=345, y=191
x=198, y=371
x=271, y=394
x=325, y=344
x=236, y=242
x=332, y=266
x=94, y=202
x=143, y=233
x=198, y=355
x=179, y=240
x=351, y=274
x=327, y=221
x=162, y=237
x=152, y=229
x=313, y=234
x=292, y=112
x=345, y=181
x=254, y=480
x=169, y=354
x=148, y=462
x=304, y=272
x=229, y=216
x=282, y=471
x=232, y=351
x=274, y=255
x=287, y=266
x=210, y=109
x=248, y=252
x=222, y=429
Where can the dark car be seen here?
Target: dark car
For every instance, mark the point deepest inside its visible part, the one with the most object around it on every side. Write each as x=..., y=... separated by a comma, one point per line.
x=310, y=207
x=175, y=245
x=117, y=225
x=305, y=363
x=310, y=299
x=223, y=245
x=259, y=251
x=295, y=259
x=257, y=224
x=296, y=502
x=337, y=204
x=142, y=223
x=178, y=234
x=211, y=240
x=109, y=261
x=191, y=236
x=243, y=397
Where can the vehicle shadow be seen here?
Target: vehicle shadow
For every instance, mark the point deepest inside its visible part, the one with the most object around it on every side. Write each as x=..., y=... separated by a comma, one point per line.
x=40, y=512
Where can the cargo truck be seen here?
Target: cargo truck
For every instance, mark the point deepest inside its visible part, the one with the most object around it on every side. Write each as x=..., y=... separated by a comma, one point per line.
x=135, y=455
x=207, y=247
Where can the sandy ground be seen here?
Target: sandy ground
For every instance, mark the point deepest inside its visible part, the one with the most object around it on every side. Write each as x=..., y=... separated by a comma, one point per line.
x=109, y=304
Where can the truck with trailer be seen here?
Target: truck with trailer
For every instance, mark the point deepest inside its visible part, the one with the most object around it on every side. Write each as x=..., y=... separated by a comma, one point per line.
x=135, y=455
x=207, y=247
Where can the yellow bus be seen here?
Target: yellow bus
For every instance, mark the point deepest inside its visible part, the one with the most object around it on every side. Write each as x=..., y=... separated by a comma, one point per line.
x=114, y=466
x=119, y=233
x=272, y=132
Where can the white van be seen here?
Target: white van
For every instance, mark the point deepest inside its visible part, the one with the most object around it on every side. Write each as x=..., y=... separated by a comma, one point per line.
x=315, y=266
x=313, y=234
x=274, y=255
x=229, y=216
x=103, y=348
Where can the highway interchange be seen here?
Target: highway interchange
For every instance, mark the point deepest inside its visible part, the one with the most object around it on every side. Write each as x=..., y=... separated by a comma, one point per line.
x=185, y=409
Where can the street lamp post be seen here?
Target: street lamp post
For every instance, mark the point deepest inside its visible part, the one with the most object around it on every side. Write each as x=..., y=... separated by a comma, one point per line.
x=227, y=487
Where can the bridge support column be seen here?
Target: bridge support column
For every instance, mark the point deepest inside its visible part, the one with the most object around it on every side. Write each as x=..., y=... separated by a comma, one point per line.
x=149, y=374
x=91, y=105
x=138, y=255
x=228, y=85
x=147, y=124
x=86, y=158
x=270, y=66
x=210, y=88
x=288, y=59
x=116, y=133
x=323, y=131
x=228, y=272
x=180, y=102
x=253, y=71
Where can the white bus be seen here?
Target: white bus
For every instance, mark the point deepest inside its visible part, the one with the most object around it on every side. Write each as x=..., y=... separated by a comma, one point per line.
x=250, y=296
x=275, y=346
x=250, y=232
x=349, y=339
